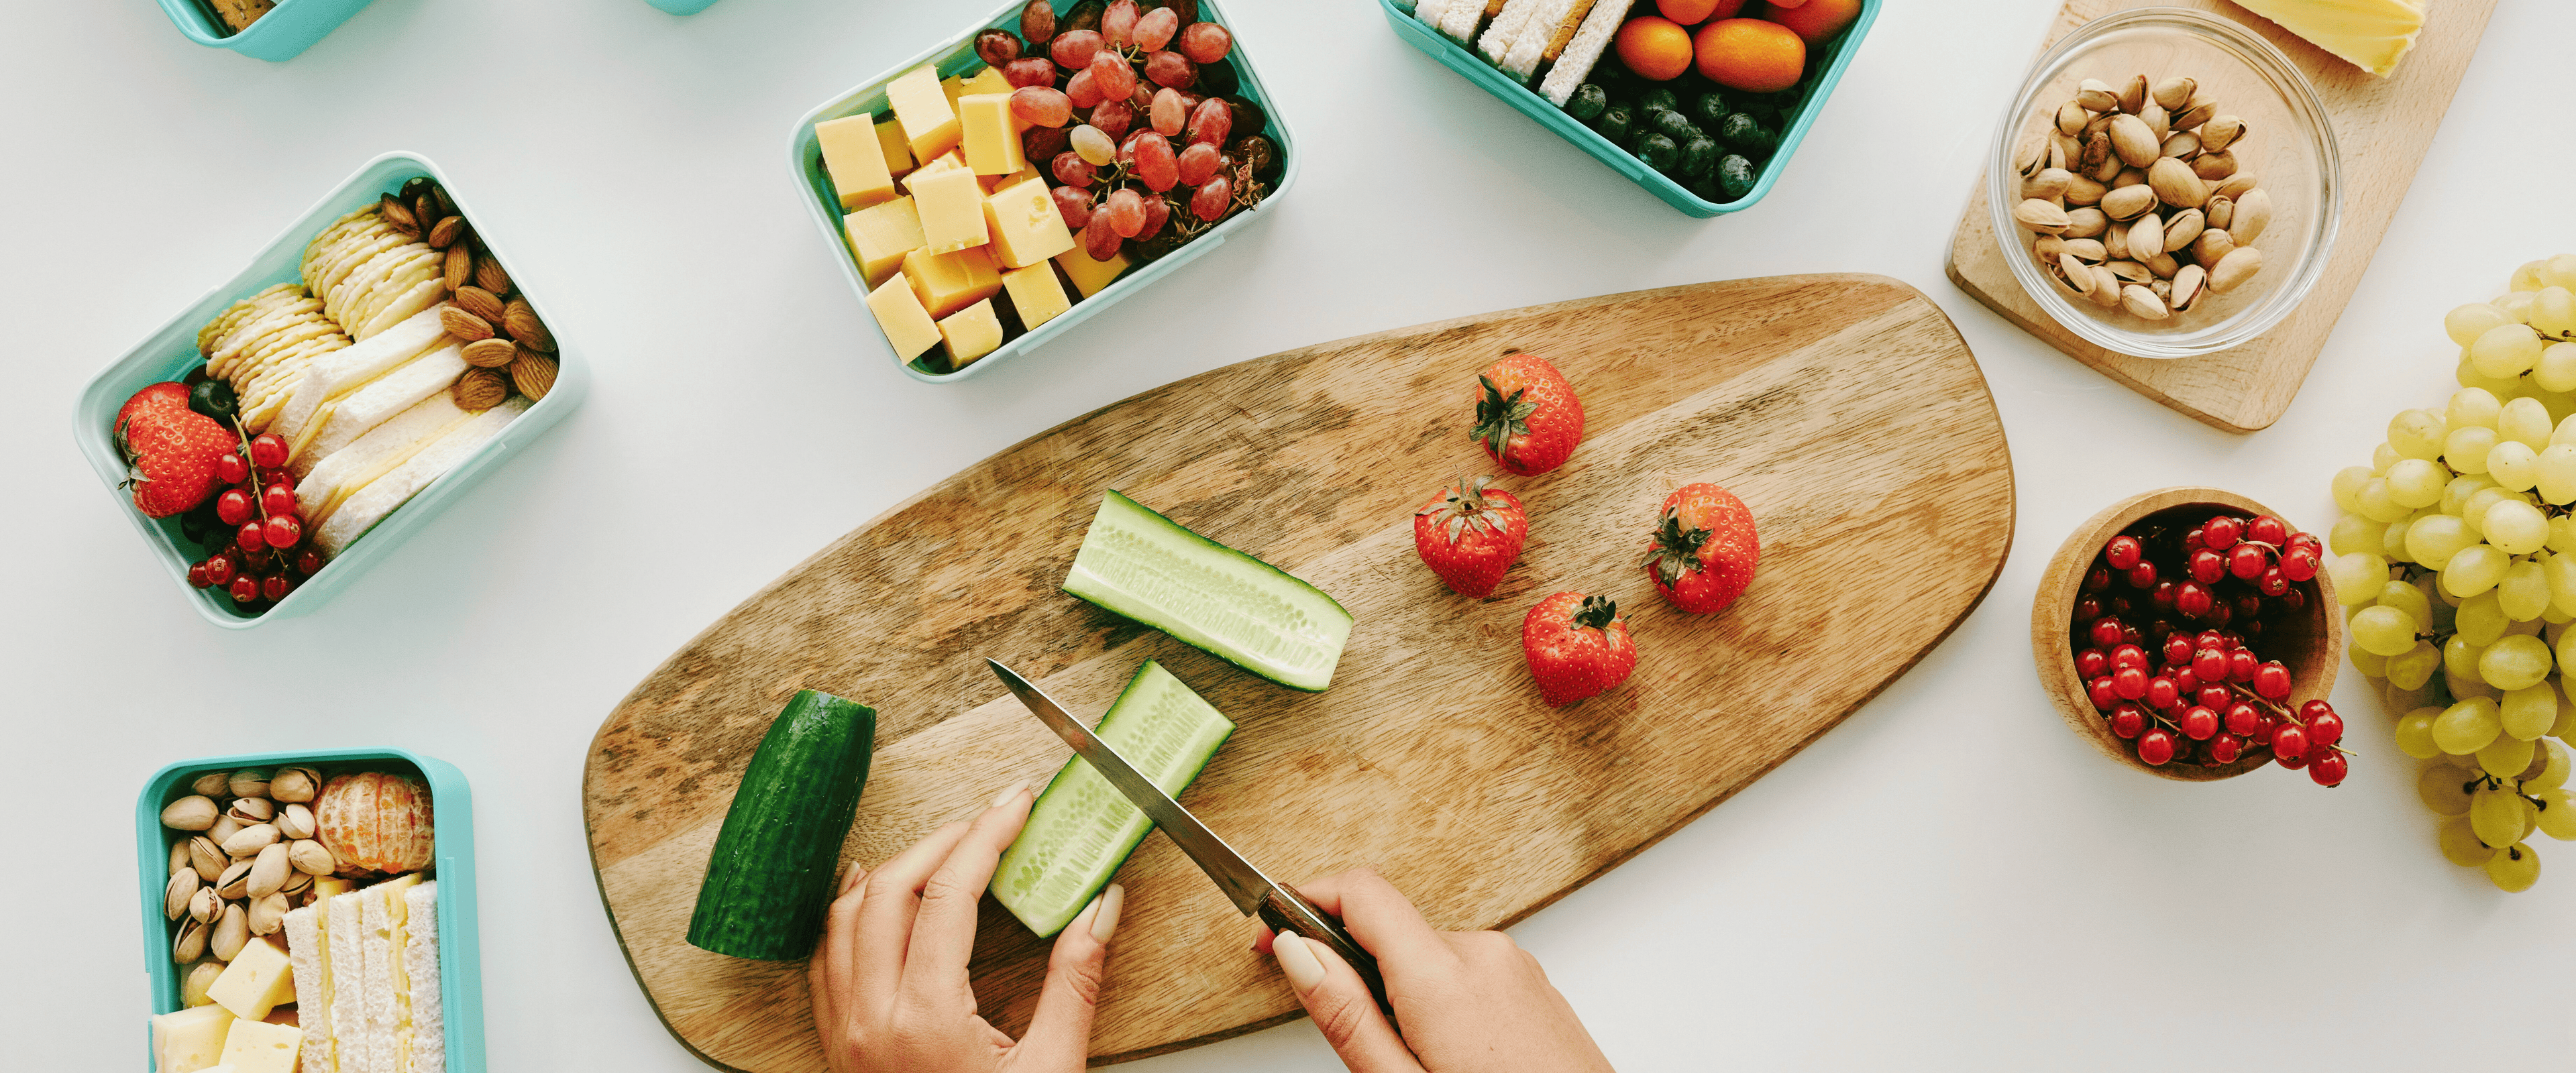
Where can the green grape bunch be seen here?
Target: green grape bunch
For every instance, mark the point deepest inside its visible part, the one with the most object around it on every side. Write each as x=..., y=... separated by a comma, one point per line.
x=2455, y=562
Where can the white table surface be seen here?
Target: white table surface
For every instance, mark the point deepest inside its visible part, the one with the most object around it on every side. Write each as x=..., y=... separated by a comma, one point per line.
x=1948, y=880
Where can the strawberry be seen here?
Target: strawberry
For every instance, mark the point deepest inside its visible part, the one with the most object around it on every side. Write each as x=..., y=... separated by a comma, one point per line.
x=1703, y=552
x=152, y=403
x=1577, y=647
x=1470, y=534
x=1526, y=415
x=170, y=454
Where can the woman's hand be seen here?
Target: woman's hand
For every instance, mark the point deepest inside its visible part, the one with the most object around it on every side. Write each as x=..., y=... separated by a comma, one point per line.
x=1469, y=1001
x=889, y=980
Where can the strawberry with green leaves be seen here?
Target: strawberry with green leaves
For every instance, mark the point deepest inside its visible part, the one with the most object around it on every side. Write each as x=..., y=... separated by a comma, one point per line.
x=170, y=451
x=1577, y=647
x=1704, y=549
x=1526, y=415
x=1470, y=534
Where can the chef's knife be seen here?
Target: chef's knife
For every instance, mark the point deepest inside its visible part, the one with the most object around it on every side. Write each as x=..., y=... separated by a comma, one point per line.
x=1252, y=892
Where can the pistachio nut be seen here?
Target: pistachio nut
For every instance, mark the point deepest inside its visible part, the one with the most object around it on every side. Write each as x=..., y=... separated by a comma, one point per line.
x=2234, y=186
x=2136, y=143
x=2128, y=202
x=2097, y=148
x=2040, y=216
x=2130, y=272
x=2222, y=211
x=311, y=858
x=2057, y=154
x=2221, y=131
x=249, y=782
x=2133, y=94
x=2194, y=117
x=2163, y=265
x=183, y=886
x=2084, y=190
x=2163, y=289
x=2087, y=250
x=2140, y=301
x=195, y=812
x=2212, y=246
x=201, y=977
x=2157, y=121
x=297, y=883
x=2176, y=185
x=252, y=839
x=2174, y=92
x=234, y=883
x=2073, y=274
x=2086, y=222
x=2128, y=177
x=2233, y=270
x=2181, y=145
x=268, y=914
x=250, y=810
x=191, y=943
x=2214, y=165
x=2100, y=124
x=295, y=821
x=2095, y=95
x=179, y=861
x=231, y=933
x=206, y=857
x=213, y=784
x=2188, y=285
x=2116, y=239
x=2031, y=157
x=2106, y=287
x=2146, y=237
x=268, y=871
x=2110, y=164
x=2182, y=229
x=2071, y=118
x=2048, y=185
x=2047, y=248
x=224, y=828
x=295, y=784
x=204, y=906
x=2253, y=214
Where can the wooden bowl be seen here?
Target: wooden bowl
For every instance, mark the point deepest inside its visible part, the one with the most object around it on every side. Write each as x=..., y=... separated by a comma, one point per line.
x=2310, y=644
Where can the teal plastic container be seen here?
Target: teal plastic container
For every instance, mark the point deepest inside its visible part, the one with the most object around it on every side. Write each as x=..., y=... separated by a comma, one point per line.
x=955, y=56
x=1468, y=63
x=288, y=29
x=171, y=351
x=683, y=7
x=460, y=946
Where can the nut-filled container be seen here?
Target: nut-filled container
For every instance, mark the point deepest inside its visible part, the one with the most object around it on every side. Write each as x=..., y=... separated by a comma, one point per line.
x=283, y=32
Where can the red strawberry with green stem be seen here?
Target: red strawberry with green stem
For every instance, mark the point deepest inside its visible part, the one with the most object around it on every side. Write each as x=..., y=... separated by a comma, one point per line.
x=1527, y=417
x=153, y=403
x=1703, y=552
x=1470, y=534
x=1577, y=647
x=170, y=454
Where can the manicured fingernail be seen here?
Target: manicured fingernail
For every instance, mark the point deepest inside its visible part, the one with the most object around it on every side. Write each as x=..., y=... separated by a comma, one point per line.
x=1105, y=923
x=1299, y=962
x=1009, y=792
x=850, y=877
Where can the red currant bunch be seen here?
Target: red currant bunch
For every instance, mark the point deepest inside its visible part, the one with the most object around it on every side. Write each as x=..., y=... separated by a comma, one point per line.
x=254, y=528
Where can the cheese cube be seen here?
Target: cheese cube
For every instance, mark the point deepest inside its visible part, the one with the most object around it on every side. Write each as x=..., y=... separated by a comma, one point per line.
x=948, y=282
x=988, y=80
x=1025, y=224
x=951, y=208
x=991, y=183
x=881, y=235
x=256, y=981
x=944, y=161
x=1089, y=276
x=929, y=123
x=257, y=1047
x=898, y=152
x=992, y=143
x=191, y=1039
x=954, y=86
x=971, y=332
x=855, y=160
x=327, y=887
x=906, y=324
x=1035, y=294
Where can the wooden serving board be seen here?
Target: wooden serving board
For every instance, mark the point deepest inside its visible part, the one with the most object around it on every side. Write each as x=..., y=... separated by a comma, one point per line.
x=2383, y=127
x=1844, y=409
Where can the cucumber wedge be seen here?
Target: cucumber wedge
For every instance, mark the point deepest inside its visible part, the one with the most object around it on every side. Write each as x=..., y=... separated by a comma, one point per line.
x=1145, y=566
x=1081, y=829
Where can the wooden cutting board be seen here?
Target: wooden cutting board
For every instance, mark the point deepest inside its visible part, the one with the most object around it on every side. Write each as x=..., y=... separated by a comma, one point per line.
x=2383, y=127
x=1845, y=410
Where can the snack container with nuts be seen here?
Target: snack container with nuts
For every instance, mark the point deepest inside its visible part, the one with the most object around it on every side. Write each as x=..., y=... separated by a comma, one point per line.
x=171, y=351
x=280, y=33
x=460, y=974
x=955, y=56
x=2160, y=259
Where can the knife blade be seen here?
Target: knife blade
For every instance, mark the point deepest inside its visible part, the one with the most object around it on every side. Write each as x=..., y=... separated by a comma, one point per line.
x=1252, y=892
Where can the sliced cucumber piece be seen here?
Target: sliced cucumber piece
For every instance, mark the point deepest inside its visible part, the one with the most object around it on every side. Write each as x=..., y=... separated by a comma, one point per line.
x=1145, y=566
x=1082, y=828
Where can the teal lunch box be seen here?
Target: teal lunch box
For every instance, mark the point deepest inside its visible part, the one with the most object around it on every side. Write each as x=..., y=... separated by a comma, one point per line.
x=683, y=7
x=286, y=30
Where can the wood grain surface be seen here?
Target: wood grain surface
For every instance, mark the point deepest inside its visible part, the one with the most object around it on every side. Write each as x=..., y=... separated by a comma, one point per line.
x=1845, y=410
x=2383, y=127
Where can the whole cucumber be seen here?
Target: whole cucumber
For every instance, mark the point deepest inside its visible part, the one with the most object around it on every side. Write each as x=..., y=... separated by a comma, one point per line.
x=770, y=878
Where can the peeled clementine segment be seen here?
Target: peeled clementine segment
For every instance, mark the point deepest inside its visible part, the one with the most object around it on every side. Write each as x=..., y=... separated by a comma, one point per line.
x=376, y=820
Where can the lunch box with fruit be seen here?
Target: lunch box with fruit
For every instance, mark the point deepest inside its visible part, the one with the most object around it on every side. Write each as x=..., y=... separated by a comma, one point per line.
x=280, y=33
x=171, y=352
x=957, y=55
x=459, y=998
x=1825, y=69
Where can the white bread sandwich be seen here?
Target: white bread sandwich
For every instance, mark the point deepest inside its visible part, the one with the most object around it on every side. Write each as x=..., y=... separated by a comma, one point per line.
x=309, y=947
x=399, y=389
x=347, y=1023
x=361, y=508
x=386, y=910
x=366, y=980
x=420, y=966
x=335, y=376
x=334, y=479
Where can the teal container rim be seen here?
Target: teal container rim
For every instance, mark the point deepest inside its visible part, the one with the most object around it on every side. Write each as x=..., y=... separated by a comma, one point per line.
x=460, y=945
x=683, y=7
x=170, y=351
x=1484, y=75
x=282, y=33
x=957, y=54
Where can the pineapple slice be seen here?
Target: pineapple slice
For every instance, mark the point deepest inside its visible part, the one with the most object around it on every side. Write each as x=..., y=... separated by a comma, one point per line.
x=2370, y=34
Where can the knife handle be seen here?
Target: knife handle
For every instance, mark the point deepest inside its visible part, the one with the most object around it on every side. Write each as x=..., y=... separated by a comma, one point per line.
x=1283, y=911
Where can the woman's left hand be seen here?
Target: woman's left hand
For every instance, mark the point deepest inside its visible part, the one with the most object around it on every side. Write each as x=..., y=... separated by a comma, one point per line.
x=889, y=979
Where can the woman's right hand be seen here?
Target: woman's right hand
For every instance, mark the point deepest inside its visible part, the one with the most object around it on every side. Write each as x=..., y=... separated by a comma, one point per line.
x=1469, y=1001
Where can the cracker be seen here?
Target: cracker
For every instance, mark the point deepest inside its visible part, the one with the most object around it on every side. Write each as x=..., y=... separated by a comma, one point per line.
x=405, y=306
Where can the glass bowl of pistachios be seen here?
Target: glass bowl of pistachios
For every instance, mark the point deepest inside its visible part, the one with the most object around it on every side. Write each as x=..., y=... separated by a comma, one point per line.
x=2166, y=184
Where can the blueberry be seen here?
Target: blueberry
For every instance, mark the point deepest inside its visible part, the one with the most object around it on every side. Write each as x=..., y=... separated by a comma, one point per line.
x=213, y=398
x=1589, y=101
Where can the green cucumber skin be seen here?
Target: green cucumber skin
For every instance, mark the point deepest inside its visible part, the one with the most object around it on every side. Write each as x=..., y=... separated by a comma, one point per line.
x=1164, y=627
x=770, y=879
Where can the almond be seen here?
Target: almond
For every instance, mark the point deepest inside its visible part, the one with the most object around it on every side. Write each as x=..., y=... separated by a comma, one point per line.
x=460, y=267
x=479, y=302
x=464, y=325
x=398, y=216
x=480, y=389
x=492, y=354
x=489, y=276
x=520, y=320
x=445, y=232
x=534, y=373
x=424, y=210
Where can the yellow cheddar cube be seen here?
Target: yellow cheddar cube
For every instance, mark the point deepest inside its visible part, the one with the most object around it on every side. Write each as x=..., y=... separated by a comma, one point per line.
x=329, y=887
x=991, y=183
x=880, y=235
x=256, y=981
x=991, y=141
x=898, y=152
x=1035, y=294
x=1089, y=276
x=944, y=161
x=191, y=1039
x=907, y=325
x=929, y=123
x=971, y=332
x=988, y=80
x=855, y=160
x=951, y=207
x=259, y=1047
x=1025, y=224
x=948, y=282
